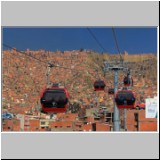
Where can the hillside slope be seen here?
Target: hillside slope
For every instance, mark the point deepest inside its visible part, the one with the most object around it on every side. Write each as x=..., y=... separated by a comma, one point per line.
x=24, y=78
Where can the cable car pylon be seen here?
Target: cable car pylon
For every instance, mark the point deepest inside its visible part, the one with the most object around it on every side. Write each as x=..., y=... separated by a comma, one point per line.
x=115, y=66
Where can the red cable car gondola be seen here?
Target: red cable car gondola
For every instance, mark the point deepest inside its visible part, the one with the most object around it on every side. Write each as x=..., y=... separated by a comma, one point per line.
x=99, y=85
x=125, y=99
x=54, y=99
x=111, y=91
x=128, y=81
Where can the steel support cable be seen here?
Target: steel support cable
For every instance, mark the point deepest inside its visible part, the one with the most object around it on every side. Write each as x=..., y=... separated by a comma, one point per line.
x=24, y=53
x=50, y=64
x=115, y=38
x=95, y=38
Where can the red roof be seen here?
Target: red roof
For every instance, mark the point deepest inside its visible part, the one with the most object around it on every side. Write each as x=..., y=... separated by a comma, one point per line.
x=142, y=105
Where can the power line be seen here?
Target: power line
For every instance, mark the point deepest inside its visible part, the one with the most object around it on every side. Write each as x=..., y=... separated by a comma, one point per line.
x=95, y=38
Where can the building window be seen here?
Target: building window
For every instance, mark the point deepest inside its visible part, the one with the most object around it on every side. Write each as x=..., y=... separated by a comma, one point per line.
x=68, y=126
x=55, y=126
x=43, y=123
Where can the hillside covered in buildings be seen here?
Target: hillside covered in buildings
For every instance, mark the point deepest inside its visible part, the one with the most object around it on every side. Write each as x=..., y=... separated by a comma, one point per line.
x=24, y=78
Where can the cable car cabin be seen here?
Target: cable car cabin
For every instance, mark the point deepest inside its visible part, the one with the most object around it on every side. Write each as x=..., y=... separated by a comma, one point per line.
x=111, y=91
x=99, y=85
x=128, y=81
x=54, y=99
x=125, y=99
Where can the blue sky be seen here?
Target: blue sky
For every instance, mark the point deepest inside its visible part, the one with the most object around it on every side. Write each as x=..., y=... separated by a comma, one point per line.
x=132, y=40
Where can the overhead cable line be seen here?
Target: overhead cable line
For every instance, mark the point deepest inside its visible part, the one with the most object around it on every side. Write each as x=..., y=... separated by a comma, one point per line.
x=25, y=54
x=95, y=38
x=115, y=38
